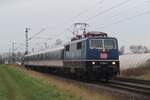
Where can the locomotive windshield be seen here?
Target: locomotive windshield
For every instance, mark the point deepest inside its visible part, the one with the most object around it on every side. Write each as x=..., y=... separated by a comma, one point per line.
x=109, y=44
x=96, y=44
x=102, y=43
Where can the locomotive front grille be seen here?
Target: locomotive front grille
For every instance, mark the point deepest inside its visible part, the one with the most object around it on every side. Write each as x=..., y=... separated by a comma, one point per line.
x=103, y=63
x=99, y=66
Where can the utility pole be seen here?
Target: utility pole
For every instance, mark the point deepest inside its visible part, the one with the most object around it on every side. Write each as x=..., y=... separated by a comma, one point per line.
x=13, y=50
x=9, y=56
x=46, y=46
x=27, y=40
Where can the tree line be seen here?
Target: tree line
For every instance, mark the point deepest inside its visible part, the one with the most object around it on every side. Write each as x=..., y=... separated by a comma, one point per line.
x=135, y=49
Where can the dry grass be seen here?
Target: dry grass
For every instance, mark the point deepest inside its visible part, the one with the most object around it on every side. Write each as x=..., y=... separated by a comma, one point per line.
x=71, y=88
x=68, y=87
x=141, y=72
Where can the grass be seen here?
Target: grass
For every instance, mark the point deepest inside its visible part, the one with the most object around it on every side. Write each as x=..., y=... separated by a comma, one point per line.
x=72, y=88
x=25, y=84
x=141, y=72
x=78, y=90
x=16, y=85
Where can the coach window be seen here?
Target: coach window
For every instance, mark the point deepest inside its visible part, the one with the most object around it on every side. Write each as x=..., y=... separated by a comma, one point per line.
x=46, y=56
x=68, y=48
x=79, y=45
x=40, y=57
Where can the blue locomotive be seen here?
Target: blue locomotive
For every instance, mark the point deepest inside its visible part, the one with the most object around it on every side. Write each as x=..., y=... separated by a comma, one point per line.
x=95, y=55
x=91, y=55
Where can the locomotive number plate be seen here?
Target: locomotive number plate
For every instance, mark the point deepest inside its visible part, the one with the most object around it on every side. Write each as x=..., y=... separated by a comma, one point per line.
x=103, y=63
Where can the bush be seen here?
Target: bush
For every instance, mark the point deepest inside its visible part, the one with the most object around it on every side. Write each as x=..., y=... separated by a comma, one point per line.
x=138, y=71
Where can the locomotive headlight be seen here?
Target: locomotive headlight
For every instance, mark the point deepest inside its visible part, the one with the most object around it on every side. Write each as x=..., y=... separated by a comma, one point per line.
x=113, y=63
x=103, y=50
x=93, y=63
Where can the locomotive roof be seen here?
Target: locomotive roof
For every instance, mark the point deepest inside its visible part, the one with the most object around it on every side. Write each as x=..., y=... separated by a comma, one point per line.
x=46, y=51
x=83, y=39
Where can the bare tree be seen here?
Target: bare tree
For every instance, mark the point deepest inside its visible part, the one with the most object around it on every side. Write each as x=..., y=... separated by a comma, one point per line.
x=1, y=59
x=146, y=49
x=58, y=42
x=121, y=50
x=138, y=49
x=19, y=56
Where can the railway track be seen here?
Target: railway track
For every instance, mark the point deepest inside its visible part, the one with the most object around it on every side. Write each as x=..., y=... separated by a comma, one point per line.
x=134, y=86
x=138, y=89
x=132, y=80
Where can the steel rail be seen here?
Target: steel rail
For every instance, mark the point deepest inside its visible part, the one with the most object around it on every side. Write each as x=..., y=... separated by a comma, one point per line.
x=135, y=86
x=132, y=80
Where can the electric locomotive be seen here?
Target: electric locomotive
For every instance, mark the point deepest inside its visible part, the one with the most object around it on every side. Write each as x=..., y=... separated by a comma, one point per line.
x=94, y=55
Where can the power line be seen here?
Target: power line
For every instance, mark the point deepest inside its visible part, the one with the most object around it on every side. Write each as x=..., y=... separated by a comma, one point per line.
x=36, y=34
x=20, y=45
x=109, y=9
x=124, y=11
x=85, y=11
x=128, y=9
x=43, y=38
x=126, y=19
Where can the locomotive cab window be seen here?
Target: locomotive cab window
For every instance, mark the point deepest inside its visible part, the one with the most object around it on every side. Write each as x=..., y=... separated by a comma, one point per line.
x=102, y=43
x=96, y=44
x=79, y=45
x=109, y=44
x=67, y=48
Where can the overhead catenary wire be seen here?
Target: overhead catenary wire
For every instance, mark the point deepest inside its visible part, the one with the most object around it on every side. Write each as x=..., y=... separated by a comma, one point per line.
x=46, y=39
x=126, y=19
x=86, y=10
x=20, y=45
x=43, y=38
x=36, y=34
x=120, y=13
x=129, y=8
x=109, y=9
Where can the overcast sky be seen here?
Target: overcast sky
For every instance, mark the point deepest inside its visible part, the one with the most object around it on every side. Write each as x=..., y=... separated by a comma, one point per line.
x=128, y=20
